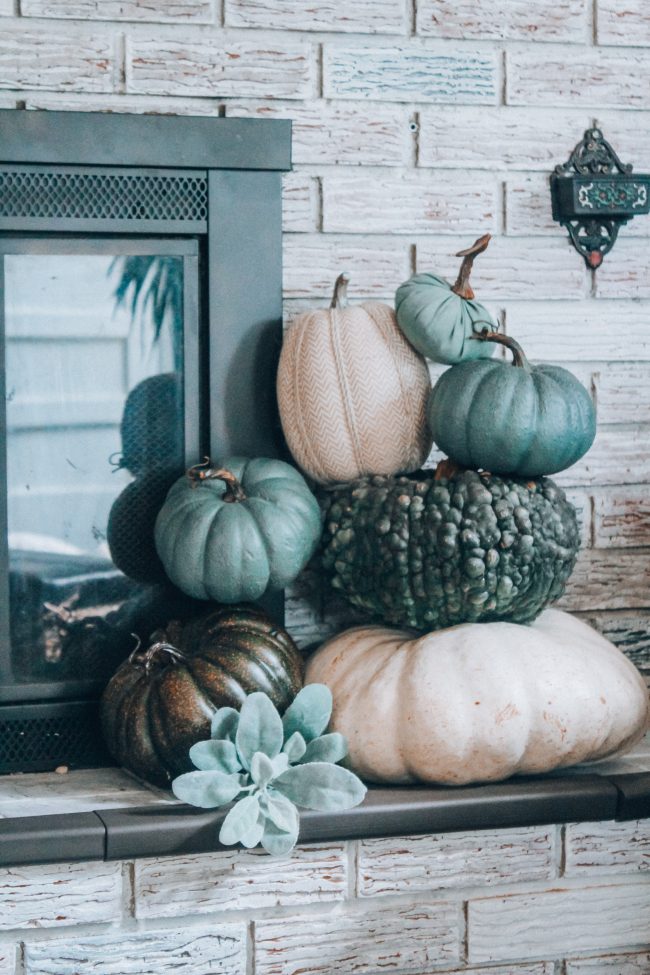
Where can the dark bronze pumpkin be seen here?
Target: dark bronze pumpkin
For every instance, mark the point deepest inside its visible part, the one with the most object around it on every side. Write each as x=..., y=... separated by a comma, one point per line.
x=161, y=700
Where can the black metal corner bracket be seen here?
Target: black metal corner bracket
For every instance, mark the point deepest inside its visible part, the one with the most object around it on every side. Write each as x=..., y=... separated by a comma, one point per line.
x=594, y=194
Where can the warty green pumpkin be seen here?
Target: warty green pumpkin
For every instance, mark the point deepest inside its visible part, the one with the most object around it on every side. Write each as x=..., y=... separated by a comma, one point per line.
x=237, y=530
x=480, y=702
x=435, y=550
x=439, y=318
x=511, y=418
x=161, y=700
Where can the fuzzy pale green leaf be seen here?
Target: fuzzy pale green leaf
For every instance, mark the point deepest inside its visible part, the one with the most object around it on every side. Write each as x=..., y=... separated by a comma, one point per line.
x=240, y=821
x=260, y=728
x=328, y=748
x=254, y=834
x=262, y=770
x=282, y=812
x=277, y=842
x=295, y=747
x=309, y=713
x=322, y=786
x=224, y=724
x=206, y=789
x=280, y=763
x=213, y=755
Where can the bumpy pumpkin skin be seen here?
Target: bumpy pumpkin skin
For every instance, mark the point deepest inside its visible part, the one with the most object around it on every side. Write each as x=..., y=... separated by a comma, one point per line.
x=235, y=551
x=480, y=702
x=156, y=707
x=439, y=323
x=131, y=525
x=511, y=420
x=352, y=394
x=426, y=553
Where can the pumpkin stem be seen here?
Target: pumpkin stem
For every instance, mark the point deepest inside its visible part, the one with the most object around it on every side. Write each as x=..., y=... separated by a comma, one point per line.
x=204, y=472
x=518, y=357
x=447, y=469
x=340, y=296
x=153, y=653
x=462, y=285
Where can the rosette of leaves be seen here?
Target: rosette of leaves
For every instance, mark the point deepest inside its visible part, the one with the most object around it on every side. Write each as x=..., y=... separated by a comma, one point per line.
x=269, y=765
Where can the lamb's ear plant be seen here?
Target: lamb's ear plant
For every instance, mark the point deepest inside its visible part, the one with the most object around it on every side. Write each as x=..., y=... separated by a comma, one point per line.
x=270, y=765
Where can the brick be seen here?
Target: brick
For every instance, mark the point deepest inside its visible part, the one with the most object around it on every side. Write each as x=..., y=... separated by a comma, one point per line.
x=8, y=959
x=525, y=267
x=58, y=895
x=630, y=138
x=624, y=272
x=608, y=580
x=237, y=880
x=573, y=331
x=631, y=634
x=497, y=137
x=547, y=20
x=581, y=501
x=435, y=862
x=300, y=203
x=401, y=938
x=154, y=11
x=122, y=103
x=557, y=922
x=218, y=66
x=344, y=133
x=219, y=950
x=596, y=78
x=637, y=964
x=7, y=8
x=362, y=17
x=622, y=517
x=55, y=60
x=406, y=74
x=607, y=848
x=312, y=263
x=623, y=391
x=623, y=23
x=618, y=456
x=412, y=204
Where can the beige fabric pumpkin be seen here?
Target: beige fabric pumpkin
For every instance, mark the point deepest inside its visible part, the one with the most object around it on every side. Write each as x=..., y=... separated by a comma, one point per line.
x=480, y=702
x=352, y=392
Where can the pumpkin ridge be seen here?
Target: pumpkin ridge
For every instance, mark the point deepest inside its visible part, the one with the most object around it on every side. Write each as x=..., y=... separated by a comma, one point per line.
x=348, y=406
x=298, y=411
x=180, y=538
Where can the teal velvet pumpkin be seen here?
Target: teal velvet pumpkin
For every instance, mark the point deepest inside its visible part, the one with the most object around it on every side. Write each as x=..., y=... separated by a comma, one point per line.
x=511, y=418
x=233, y=531
x=438, y=318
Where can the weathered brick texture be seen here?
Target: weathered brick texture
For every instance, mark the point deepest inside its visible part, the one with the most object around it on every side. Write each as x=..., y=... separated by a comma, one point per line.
x=7, y=959
x=58, y=60
x=361, y=17
x=596, y=78
x=60, y=895
x=623, y=23
x=156, y=11
x=547, y=20
x=607, y=848
x=622, y=517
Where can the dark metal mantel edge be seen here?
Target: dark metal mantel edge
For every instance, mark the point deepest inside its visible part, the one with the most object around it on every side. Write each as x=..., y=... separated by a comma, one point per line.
x=165, y=830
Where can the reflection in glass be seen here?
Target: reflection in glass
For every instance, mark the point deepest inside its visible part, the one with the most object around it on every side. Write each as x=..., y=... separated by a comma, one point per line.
x=94, y=440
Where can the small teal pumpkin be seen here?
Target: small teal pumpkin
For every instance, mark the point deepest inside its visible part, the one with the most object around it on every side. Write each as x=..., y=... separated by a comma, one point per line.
x=439, y=318
x=233, y=531
x=511, y=418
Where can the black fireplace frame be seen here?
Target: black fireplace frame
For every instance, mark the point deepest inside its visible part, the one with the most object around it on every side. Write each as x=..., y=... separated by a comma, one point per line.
x=213, y=185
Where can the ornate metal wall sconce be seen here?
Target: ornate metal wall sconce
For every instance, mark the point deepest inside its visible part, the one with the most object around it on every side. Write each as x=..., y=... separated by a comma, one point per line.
x=594, y=194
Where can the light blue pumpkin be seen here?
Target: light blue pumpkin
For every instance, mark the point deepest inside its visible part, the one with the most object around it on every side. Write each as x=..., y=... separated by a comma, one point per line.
x=232, y=531
x=511, y=418
x=439, y=319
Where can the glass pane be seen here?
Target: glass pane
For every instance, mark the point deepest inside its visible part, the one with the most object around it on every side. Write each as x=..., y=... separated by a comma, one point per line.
x=94, y=440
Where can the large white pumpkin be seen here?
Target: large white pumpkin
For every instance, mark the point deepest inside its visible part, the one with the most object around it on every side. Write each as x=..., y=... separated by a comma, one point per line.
x=352, y=392
x=480, y=702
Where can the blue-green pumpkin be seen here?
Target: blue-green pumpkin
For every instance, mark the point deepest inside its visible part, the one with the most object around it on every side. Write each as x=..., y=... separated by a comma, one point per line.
x=233, y=531
x=511, y=418
x=439, y=318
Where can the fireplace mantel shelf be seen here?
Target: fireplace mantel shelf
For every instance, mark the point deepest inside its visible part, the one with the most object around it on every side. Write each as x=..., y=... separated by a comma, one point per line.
x=105, y=814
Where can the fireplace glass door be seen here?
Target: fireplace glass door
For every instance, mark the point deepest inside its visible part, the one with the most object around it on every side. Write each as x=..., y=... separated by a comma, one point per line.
x=101, y=400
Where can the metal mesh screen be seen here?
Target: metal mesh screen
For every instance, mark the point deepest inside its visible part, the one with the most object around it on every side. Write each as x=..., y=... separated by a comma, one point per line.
x=42, y=744
x=102, y=196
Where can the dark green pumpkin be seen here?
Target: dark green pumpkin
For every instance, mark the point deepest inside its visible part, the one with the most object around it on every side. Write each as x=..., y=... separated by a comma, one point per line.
x=439, y=318
x=131, y=524
x=234, y=531
x=161, y=700
x=151, y=429
x=511, y=418
x=431, y=551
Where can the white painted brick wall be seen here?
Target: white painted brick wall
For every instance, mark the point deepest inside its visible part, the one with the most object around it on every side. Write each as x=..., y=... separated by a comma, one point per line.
x=417, y=126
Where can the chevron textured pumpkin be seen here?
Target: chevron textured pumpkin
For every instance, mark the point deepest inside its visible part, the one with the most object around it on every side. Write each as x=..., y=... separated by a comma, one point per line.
x=431, y=551
x=352, y=392
x=234, y=531
x=511, y=418
x=161, y=700
x=480, y=702
x=439, y=318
